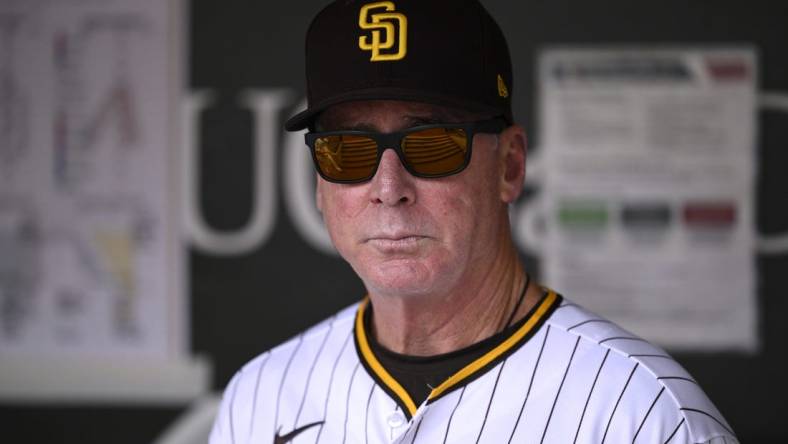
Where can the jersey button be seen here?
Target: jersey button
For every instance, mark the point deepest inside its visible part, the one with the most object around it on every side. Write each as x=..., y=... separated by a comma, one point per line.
x=395, y=419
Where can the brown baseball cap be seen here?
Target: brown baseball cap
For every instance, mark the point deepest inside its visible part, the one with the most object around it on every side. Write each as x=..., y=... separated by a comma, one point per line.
x=446, y=52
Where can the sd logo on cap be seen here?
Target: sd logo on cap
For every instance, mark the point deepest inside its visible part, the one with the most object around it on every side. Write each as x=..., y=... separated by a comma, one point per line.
x=391, y=23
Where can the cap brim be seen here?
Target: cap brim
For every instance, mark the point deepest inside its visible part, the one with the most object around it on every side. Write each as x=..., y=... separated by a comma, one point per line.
x=306, y=117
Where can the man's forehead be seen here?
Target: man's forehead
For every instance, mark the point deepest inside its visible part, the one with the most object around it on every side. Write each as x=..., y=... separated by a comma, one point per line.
x=366, y=112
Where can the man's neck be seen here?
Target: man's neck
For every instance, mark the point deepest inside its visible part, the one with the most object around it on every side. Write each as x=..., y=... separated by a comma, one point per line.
x=433, y=324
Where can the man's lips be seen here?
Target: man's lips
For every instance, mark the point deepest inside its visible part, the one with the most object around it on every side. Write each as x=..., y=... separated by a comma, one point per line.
x=395, y=242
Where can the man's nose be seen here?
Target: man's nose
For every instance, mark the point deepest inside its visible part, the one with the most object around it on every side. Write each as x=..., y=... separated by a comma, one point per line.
x=392, y=184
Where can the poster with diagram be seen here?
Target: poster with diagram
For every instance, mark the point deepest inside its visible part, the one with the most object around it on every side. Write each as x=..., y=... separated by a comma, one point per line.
x=649, y=158
x=90, y=253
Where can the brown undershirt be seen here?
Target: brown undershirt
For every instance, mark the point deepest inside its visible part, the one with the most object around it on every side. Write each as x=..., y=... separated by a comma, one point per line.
x=417, y=374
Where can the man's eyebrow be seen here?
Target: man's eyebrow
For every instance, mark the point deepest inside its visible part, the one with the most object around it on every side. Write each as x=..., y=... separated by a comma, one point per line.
x=408, y=122
x=327, y=125
x=431, y=117
x=412, y=121
x=352, y=127
x=441, y=115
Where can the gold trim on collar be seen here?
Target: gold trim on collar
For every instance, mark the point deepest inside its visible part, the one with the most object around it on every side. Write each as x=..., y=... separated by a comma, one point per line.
x=542, y=309
x=493, y=354
x=374, y=364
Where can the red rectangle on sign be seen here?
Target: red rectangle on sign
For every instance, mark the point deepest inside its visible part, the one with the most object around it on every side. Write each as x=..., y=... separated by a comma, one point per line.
x=727, y=69
x=710, y=214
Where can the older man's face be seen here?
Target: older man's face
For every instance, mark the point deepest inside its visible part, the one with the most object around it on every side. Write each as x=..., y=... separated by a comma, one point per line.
x=404, y=235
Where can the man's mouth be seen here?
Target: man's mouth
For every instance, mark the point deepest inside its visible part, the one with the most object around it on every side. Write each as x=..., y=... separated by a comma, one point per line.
x=396, y=242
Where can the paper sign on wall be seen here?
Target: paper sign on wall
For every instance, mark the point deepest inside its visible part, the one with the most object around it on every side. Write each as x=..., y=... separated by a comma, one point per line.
x=89, y=244
x=649, y=164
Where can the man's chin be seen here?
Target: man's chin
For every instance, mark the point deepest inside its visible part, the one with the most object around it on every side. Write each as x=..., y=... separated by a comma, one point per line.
x=401, y=277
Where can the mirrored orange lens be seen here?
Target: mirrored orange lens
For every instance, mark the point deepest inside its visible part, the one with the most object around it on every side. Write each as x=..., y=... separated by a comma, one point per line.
x=346, y=157
x=436, y=151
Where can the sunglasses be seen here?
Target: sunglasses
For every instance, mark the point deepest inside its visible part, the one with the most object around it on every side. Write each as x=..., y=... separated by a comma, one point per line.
x=426, y=151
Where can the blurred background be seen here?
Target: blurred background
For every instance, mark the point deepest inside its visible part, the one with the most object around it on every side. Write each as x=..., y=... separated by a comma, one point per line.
x=157, y=226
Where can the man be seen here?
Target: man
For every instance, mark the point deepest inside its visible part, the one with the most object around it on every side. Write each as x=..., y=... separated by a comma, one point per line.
x=418, y=158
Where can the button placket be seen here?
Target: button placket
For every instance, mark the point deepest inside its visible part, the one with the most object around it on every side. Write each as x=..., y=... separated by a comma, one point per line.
x=401, y=434
x=395, y=419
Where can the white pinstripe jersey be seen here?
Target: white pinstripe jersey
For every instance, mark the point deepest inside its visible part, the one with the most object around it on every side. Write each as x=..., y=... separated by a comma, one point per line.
x=565, y=376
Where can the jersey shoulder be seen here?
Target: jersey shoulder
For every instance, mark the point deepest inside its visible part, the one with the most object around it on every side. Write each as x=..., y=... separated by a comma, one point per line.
x=650, y=374
x=246, y=387
x=279, y=355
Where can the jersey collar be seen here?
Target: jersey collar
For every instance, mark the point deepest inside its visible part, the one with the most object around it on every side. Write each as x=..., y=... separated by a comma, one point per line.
x=476, y=368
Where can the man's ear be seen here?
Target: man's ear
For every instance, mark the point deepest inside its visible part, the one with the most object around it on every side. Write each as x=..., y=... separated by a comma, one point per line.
x=318, y=194
x=512, y=145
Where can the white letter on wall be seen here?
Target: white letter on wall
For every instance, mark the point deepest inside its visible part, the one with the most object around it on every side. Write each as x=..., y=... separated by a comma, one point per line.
x=266, y=106
x=299, y=192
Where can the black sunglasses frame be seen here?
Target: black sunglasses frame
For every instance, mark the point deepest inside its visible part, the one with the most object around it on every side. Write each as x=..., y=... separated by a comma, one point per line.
x=393, y=141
